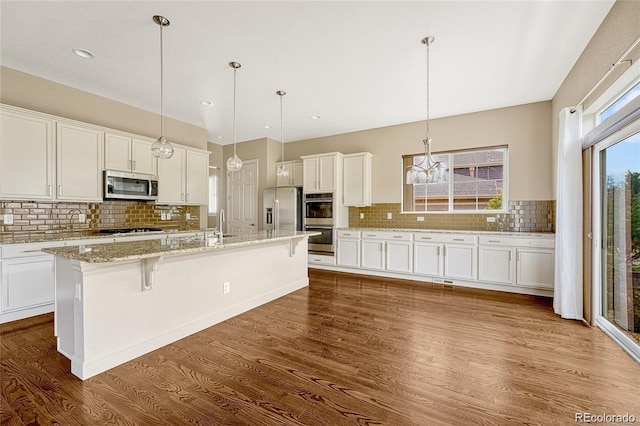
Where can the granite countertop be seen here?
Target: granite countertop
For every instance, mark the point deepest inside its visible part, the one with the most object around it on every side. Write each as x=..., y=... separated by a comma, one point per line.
x=459, y=231
x=134, y=250
x=40, y=237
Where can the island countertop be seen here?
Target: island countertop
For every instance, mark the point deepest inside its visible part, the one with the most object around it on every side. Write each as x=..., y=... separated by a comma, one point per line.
x=134, y=250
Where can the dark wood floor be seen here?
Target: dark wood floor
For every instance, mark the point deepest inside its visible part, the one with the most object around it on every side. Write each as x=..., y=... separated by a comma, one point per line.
x=349, y=350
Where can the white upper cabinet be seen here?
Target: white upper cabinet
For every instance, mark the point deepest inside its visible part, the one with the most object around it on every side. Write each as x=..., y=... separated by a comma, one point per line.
x=322, y=172
x=128, y=153
x=295, y=177
x=172, y=178
x=183, y=178
x=79, y=163
x=26, y=156
x=357, y=179
x=197, y=177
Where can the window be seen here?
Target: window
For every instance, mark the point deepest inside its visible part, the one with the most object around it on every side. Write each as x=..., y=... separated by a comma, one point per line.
x=213, y=191
x=475, y=182
x=620, y=102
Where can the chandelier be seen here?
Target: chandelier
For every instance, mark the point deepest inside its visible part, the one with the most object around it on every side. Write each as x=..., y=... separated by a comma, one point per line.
x=234, y=163
x=428, y=170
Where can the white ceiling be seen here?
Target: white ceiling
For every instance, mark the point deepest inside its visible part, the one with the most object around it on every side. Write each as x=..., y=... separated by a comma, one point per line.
x=358, y=64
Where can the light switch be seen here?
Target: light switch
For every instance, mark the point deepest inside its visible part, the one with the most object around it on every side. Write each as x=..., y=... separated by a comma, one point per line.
x=420, y=218
x=361, y=215
x=8, y=219
x=82, y=218
x=389, y=216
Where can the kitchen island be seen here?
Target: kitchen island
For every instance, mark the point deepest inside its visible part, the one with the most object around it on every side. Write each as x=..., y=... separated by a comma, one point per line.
x=117, y=301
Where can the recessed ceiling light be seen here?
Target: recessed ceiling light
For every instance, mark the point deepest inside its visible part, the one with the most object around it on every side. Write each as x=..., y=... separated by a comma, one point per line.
x=267, y=126
x=316, y=117
x=206, y=103
x=83, y=53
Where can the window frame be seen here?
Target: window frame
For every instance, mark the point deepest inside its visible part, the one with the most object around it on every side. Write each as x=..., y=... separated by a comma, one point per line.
x=450, y=204
x=213, y=193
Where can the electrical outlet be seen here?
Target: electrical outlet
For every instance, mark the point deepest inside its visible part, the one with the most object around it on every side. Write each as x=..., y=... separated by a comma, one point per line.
x=491, y=219
x=7, y=219
x=82, y=218
x=420, y=218
x=163, y=216
x=389, y=216
x=226, y=287
x=187, y=216
x=361, y=215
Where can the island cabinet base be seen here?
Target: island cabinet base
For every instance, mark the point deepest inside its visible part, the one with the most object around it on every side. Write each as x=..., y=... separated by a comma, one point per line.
x=109, y=313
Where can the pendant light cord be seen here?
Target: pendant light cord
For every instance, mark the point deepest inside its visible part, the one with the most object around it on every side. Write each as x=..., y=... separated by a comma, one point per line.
x=281, y=132
x=161, y=83
x=428, y=91
x=234, y=111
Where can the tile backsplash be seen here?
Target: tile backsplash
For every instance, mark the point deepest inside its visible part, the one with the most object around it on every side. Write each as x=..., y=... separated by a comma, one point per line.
x=523, y=216
x=42, y=220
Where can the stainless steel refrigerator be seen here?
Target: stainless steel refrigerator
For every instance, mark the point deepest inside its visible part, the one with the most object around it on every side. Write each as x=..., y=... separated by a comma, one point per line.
x=282, y=209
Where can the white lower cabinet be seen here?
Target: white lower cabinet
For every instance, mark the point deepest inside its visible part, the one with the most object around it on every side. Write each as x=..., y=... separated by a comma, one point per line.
x=427, y=259
x=373, y=254
x=399, y=256
x=496, y=264
x=27, y=282
x=535, y=267
x=348, y=249
x=460, y=261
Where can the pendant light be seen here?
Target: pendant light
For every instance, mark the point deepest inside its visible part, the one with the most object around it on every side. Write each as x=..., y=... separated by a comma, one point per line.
x=428, y=170
x=161, y=148
x=281, y=170
x=234, y=163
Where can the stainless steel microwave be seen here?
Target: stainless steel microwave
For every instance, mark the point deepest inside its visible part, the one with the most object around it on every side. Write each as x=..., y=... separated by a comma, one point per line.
x=130, y=186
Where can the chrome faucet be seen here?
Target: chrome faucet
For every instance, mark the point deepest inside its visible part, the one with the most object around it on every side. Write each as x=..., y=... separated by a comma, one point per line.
x=220, y=221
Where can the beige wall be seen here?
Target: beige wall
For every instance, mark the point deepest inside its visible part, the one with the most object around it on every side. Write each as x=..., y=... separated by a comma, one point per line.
x=526, y=129
x=28, y=91
x=616, y=33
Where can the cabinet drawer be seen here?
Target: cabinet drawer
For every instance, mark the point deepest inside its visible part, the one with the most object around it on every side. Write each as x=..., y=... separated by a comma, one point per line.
x=322, y=260
x=387, y=235
x=343, y=233
x=500, y=240
x=438, y=237
x=27, y=250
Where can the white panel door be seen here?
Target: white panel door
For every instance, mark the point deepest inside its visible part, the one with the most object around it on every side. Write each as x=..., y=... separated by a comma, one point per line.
x=460, y=261
x=495, y=264
x=26, y=157
x=400, y=256
x=535, y=268
x=79, y=163
x=348, y=252
x=171, y=178
x=427, y=259
x=143, y=159
x=373, y=254
x=27, y=282
x=327, y=173
x=242, y=199
x=197, y=177
x=310, y=172
x=117, y=152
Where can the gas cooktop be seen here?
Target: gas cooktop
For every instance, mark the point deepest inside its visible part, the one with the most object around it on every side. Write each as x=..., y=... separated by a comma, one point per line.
x=128, y=230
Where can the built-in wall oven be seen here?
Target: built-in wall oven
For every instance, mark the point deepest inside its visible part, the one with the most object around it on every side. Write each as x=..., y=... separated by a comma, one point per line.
x=319, y=217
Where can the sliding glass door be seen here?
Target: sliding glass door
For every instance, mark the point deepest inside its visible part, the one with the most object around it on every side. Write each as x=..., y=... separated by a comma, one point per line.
x=619, y=204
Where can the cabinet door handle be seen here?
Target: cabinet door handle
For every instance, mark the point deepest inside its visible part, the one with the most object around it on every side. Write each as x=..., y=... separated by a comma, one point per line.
x=425, y=238
x=31, y=251
x=397, y=236
x=444, y=251
x=59, y=190
x=182, y=196
x=370, y=235
x=531, y=243
x=494, y=241
x=50, y=189
x=509, y=256
x=438, y=250
x=134, y=164
x=458, y=239
x=518, y=258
